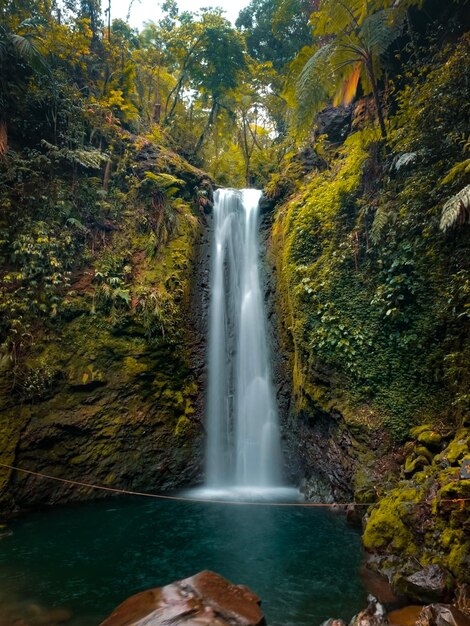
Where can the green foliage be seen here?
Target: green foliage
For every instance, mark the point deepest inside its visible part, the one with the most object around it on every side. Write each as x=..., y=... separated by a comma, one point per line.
x=374, y=296
x=358, y=34
x=276, y=29
x=456, y=209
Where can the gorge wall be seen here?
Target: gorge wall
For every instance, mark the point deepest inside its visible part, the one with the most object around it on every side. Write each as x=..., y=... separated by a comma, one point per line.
x=371, y=304
x=110, y=391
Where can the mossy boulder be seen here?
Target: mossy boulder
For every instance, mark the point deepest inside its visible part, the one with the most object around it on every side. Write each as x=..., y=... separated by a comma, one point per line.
x=415, y=463
x=388, y=528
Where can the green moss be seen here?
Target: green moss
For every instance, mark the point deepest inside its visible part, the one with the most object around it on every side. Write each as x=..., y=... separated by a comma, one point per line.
x=388, y=527
x=459, y=561
x=431, y=439
x=457, y=449
x=183, y=426
x=133, y=367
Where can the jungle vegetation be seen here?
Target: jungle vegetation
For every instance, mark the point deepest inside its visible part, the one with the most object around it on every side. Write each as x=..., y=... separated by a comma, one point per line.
x=371, y=229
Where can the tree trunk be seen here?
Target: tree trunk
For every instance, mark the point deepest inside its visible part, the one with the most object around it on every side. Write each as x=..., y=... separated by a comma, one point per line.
x=210, y=121
x=378, y=104
x=3, y=137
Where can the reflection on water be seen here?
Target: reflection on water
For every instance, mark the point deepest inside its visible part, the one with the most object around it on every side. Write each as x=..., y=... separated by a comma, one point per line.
x=87, y=558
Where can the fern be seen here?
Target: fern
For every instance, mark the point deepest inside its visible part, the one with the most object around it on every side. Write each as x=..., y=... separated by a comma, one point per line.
x=312, y=88
x=164, y=181
x=404, y=160
x=381, y=219
x=456, y=210
x=90, y=158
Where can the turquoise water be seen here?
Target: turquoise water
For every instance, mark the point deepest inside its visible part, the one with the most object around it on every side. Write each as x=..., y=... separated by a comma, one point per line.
x=303, y=563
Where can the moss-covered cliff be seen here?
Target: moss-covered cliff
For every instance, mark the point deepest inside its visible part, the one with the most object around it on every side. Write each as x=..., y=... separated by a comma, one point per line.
x=373, y=290
x=101, y=386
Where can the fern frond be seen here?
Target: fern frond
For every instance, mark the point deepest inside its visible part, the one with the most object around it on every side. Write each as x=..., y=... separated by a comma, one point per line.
x=88, y=158
x=381, y=218
x=338, y=15
x=456, y=210
x=379, y=30
x=312, y=88
x=404, y=160
x=166, y=182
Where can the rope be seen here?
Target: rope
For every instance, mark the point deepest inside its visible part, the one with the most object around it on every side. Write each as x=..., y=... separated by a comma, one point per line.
x=156, y=496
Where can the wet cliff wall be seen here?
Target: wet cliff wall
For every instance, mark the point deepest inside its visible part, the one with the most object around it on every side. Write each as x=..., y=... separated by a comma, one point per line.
x=371, y=285
x=107, y=389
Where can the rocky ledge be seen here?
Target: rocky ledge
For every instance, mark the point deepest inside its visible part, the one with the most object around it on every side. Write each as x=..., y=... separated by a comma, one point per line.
x=205, y=599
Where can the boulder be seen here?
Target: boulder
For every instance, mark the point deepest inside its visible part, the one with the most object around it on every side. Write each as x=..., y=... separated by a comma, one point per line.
x=374, y=615
x=431, y=584
x=442, y=615
x=335, y=122
x=431, y=439
x=205, y=599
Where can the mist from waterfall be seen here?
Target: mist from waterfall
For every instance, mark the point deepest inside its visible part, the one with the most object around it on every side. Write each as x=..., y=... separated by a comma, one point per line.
x=243, y=440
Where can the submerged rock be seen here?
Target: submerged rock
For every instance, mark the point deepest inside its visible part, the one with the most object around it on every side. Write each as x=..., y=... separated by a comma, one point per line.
x=406, y=616
x=205, y=599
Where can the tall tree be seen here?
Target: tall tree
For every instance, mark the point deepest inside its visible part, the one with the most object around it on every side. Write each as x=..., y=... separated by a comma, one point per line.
x=276, y=29
x=357, y=33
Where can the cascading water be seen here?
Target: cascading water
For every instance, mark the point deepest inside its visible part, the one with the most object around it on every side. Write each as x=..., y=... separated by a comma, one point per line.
x=243, y=443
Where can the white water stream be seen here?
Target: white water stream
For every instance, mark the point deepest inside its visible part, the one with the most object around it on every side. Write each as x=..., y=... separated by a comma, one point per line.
x=243, y=443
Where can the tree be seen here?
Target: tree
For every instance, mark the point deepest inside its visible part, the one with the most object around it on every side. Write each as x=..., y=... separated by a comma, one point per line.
x=19, y=56
x=275, y=29
x=211, y=57
x=357, y=33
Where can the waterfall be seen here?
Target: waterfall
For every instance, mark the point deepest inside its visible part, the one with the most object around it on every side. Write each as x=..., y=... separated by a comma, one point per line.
x=243, y=442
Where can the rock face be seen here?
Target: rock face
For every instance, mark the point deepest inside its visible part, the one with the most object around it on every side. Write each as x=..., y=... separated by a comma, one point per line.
x=205, y=599
x=111, y=394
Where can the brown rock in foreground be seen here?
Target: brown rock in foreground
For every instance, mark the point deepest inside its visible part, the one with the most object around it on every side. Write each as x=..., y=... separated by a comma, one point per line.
x=205, y=599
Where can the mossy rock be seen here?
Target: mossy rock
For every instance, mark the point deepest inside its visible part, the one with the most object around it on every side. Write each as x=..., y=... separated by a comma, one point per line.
x=88, y=377
x=423, y=451
x=457, y=449
x=388, y=527
x=431, y=439
x=412, y=465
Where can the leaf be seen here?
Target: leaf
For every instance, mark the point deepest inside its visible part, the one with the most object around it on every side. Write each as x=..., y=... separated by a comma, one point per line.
x=348, y=87
x=456, y=209
x=403, y=160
